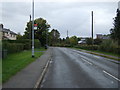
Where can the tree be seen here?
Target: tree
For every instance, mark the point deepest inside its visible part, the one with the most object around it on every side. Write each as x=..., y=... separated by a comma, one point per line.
x=55, y=35
x=97, y=41
x=73, y=40
x=67, y=40
x=19, y=36
x=79, y=38
x=115, y=31
x=89, y=41
x=41, y=32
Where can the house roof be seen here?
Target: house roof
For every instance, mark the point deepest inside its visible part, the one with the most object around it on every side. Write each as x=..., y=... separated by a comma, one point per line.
x=8, y=30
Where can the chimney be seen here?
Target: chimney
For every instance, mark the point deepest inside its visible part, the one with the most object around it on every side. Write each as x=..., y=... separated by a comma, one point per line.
x=1, y=26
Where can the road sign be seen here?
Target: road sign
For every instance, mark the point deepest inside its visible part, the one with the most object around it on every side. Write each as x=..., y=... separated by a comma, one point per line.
x=35, y=26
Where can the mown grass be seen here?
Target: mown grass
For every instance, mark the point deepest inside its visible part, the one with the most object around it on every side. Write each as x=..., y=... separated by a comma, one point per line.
x=101, y=52
x=106, y=53
x=15, y=62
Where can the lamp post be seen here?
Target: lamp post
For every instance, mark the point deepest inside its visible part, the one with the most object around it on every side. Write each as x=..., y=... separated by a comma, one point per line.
x=92, y=28
x=33, y=28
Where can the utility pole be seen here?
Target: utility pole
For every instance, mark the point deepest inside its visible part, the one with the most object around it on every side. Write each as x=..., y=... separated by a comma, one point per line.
x=119, y=5
x=67, y=33
x=30, y=31
x=92, y=29
x=30, y=17
x=46, y=38
x=33, y=28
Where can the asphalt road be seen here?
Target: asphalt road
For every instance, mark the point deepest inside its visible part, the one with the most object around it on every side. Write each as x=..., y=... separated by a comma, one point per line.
x=70, y=68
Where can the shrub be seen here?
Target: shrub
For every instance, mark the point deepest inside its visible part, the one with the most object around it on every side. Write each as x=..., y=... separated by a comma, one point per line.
x=88, y=47
x=13, y=47
x=27, y=44
x=37, y=43
x=109, y=46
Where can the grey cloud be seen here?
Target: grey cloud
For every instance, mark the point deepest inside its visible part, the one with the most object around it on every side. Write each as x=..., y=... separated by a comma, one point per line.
x=75, y=17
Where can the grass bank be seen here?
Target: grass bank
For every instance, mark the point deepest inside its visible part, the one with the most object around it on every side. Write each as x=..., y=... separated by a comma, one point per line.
x=96, y=52
x=15, y=62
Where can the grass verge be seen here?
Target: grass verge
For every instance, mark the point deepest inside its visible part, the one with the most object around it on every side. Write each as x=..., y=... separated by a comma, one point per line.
x=99, y=53
x=15, y=62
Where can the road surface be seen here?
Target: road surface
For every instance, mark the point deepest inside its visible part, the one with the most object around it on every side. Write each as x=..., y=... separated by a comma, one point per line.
x=70, y=68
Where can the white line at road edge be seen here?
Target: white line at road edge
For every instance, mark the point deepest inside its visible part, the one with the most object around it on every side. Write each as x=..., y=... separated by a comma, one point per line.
x=111, y=75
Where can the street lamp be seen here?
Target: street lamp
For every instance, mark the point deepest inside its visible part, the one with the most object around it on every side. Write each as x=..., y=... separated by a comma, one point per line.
x=92, y=28
x=33, y=29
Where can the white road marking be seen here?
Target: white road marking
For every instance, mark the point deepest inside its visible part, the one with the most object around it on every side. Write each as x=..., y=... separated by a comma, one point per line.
x=111, y=75
x=86, y=61
x=96, y=56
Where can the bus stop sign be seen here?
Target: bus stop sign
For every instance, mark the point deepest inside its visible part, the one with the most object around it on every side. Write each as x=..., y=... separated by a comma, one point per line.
x=35, y=26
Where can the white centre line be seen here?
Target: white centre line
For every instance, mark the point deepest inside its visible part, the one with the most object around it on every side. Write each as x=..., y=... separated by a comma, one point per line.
x=111, y=75
x=86, y=61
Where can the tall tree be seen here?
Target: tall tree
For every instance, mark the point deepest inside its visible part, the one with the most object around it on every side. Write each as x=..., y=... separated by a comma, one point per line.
x=115, y=31
x=40, y=33
x=55, y=35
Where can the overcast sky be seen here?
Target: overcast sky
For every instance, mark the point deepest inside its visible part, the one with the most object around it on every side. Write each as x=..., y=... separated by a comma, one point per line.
x=72, y=16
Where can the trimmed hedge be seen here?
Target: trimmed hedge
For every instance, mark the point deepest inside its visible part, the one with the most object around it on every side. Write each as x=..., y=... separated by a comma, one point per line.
x=88, y=47
x=13, y=46
x=37, y=43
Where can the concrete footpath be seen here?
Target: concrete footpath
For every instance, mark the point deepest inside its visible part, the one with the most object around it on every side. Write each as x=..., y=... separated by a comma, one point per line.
x=28, y=77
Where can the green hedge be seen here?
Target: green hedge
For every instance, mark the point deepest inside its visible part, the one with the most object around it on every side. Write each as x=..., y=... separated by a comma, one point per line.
x=106, y=46
x=37, y=43
x=26, y=43
x=109, y=46
x=13, y=47
x=88, y=47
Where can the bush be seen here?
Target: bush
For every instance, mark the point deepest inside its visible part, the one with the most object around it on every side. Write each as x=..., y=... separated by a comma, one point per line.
x=13, y=47
x=37, y=43
x=109, y=46
x=88, y=47
x=26, y=43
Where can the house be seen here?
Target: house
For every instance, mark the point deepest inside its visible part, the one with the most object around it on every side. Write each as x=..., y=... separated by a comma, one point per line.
x=7, y=34
x=100, y=36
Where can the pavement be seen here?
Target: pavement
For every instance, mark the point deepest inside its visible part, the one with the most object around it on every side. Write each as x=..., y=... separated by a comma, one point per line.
x=70, y=68
x=28, y=77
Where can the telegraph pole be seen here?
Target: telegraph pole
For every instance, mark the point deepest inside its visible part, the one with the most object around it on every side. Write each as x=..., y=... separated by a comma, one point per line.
x=30, y=32
x=67, y=33
x=33, y=28
x=92, y=28
x=30, y=17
